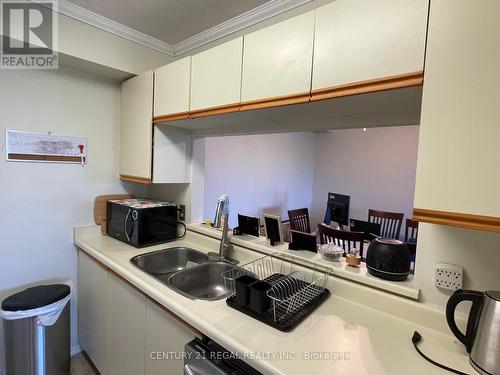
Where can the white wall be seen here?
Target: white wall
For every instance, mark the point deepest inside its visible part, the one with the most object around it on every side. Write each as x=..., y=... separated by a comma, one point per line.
x=80, y=43
x=89, y=43
x=42, y=202
x=259, y=172
x=376, y=168
x=477, y=252
x=192, y=194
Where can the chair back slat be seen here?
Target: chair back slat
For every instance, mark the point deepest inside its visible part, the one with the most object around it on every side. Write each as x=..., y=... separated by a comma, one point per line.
x=299, y=220
x=390, y=222
x=346, y=240
x=411, y=231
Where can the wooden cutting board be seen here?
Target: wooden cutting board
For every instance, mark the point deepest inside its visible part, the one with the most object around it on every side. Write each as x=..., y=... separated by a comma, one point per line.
x=100, y=204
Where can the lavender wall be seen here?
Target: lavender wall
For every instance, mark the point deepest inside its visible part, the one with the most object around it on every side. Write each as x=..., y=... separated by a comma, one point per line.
x=376, y=168
x=271, y=172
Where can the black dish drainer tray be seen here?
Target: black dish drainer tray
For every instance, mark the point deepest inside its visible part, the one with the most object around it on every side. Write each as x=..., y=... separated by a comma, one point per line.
x=289, y=322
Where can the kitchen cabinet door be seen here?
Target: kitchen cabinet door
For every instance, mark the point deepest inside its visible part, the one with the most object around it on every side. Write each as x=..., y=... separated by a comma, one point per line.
x=127, y=314
x=277, y=60
x=359, y=40
x=172, y=155
x=136, y=130
x=458, y=174
x=216, y=76
x=93, y=326
x=172, y=88
x=164, y=334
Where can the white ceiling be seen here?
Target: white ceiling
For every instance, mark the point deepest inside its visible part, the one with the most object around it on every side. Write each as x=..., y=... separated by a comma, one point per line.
x=170, y=21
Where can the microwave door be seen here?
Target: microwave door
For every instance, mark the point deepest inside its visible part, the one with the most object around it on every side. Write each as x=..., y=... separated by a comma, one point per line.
x=158, y=225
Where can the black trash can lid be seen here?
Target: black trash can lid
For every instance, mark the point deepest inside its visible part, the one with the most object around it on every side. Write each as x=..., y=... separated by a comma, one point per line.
x=35, y=297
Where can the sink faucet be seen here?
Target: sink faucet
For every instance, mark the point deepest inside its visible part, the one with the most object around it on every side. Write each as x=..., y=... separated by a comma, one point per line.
x=225, y=245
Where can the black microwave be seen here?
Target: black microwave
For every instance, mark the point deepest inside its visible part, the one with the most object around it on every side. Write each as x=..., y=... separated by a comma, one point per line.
x=141, y=222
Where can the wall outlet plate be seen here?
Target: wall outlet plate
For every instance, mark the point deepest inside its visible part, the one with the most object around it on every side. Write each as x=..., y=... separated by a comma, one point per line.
x=448, y=276
x=182, y=212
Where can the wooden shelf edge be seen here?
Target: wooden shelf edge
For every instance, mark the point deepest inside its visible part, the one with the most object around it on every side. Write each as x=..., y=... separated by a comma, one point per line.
x=276, y=101
x=171, y=117
x=140, y=180
x=218, y=110
x=456, y=219
x=356, y=88
x=373, y=85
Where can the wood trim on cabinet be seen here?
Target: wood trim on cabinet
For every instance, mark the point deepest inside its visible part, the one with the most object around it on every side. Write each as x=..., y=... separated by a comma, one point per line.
x=372, y=85
x=276, y=101
x=457, y=219
x=140, y=180
x=356, y=88
x=171, y=117
x=218, y=110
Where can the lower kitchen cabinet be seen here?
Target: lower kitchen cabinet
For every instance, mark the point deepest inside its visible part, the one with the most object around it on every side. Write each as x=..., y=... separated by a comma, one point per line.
x=121, y=330
x=127, y=335
x=93, y=311
x=165, y=337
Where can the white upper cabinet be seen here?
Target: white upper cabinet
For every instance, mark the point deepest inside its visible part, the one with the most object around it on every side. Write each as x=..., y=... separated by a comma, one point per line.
x=136, y=130
x=172, y=155
x=172, y=88
x=359, y=40
x=164, y=158
x=458, y=159
x=216, y=76
x=277, y=60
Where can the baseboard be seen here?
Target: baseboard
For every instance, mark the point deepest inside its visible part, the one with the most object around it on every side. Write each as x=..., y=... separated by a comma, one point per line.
x=75, y=350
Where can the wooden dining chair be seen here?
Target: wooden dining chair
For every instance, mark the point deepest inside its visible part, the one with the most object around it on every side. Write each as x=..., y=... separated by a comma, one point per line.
x=390, y=222
x=345, y=239
x=411, y=232
x=299, y=220
x=411, y=235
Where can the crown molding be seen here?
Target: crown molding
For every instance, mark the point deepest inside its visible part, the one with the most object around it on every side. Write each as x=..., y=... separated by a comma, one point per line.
x=261, y=13
x=86, y=16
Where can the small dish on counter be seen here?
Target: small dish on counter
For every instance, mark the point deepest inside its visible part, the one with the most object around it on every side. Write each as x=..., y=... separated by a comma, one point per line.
x=331, y=252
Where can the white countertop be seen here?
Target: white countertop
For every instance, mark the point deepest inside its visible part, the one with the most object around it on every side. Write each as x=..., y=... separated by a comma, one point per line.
x=352, y=338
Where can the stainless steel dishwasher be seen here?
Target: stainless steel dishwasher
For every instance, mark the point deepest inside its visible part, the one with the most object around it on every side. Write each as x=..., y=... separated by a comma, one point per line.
x=205, y=357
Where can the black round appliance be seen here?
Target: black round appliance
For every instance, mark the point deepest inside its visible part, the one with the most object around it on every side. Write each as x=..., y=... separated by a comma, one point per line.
x=388, y=259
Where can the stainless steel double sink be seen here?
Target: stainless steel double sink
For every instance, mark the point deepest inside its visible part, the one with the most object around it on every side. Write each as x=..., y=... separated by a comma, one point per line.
x=187, y=271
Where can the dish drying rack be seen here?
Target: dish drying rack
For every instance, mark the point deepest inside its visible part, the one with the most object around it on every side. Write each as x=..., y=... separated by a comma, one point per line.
x=292, y=294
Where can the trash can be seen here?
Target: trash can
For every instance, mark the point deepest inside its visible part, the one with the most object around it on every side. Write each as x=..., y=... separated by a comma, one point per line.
x=36, y=331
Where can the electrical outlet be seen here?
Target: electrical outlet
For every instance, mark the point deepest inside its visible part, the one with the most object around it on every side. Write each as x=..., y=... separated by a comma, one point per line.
x=182, y=212
x=449, y=276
